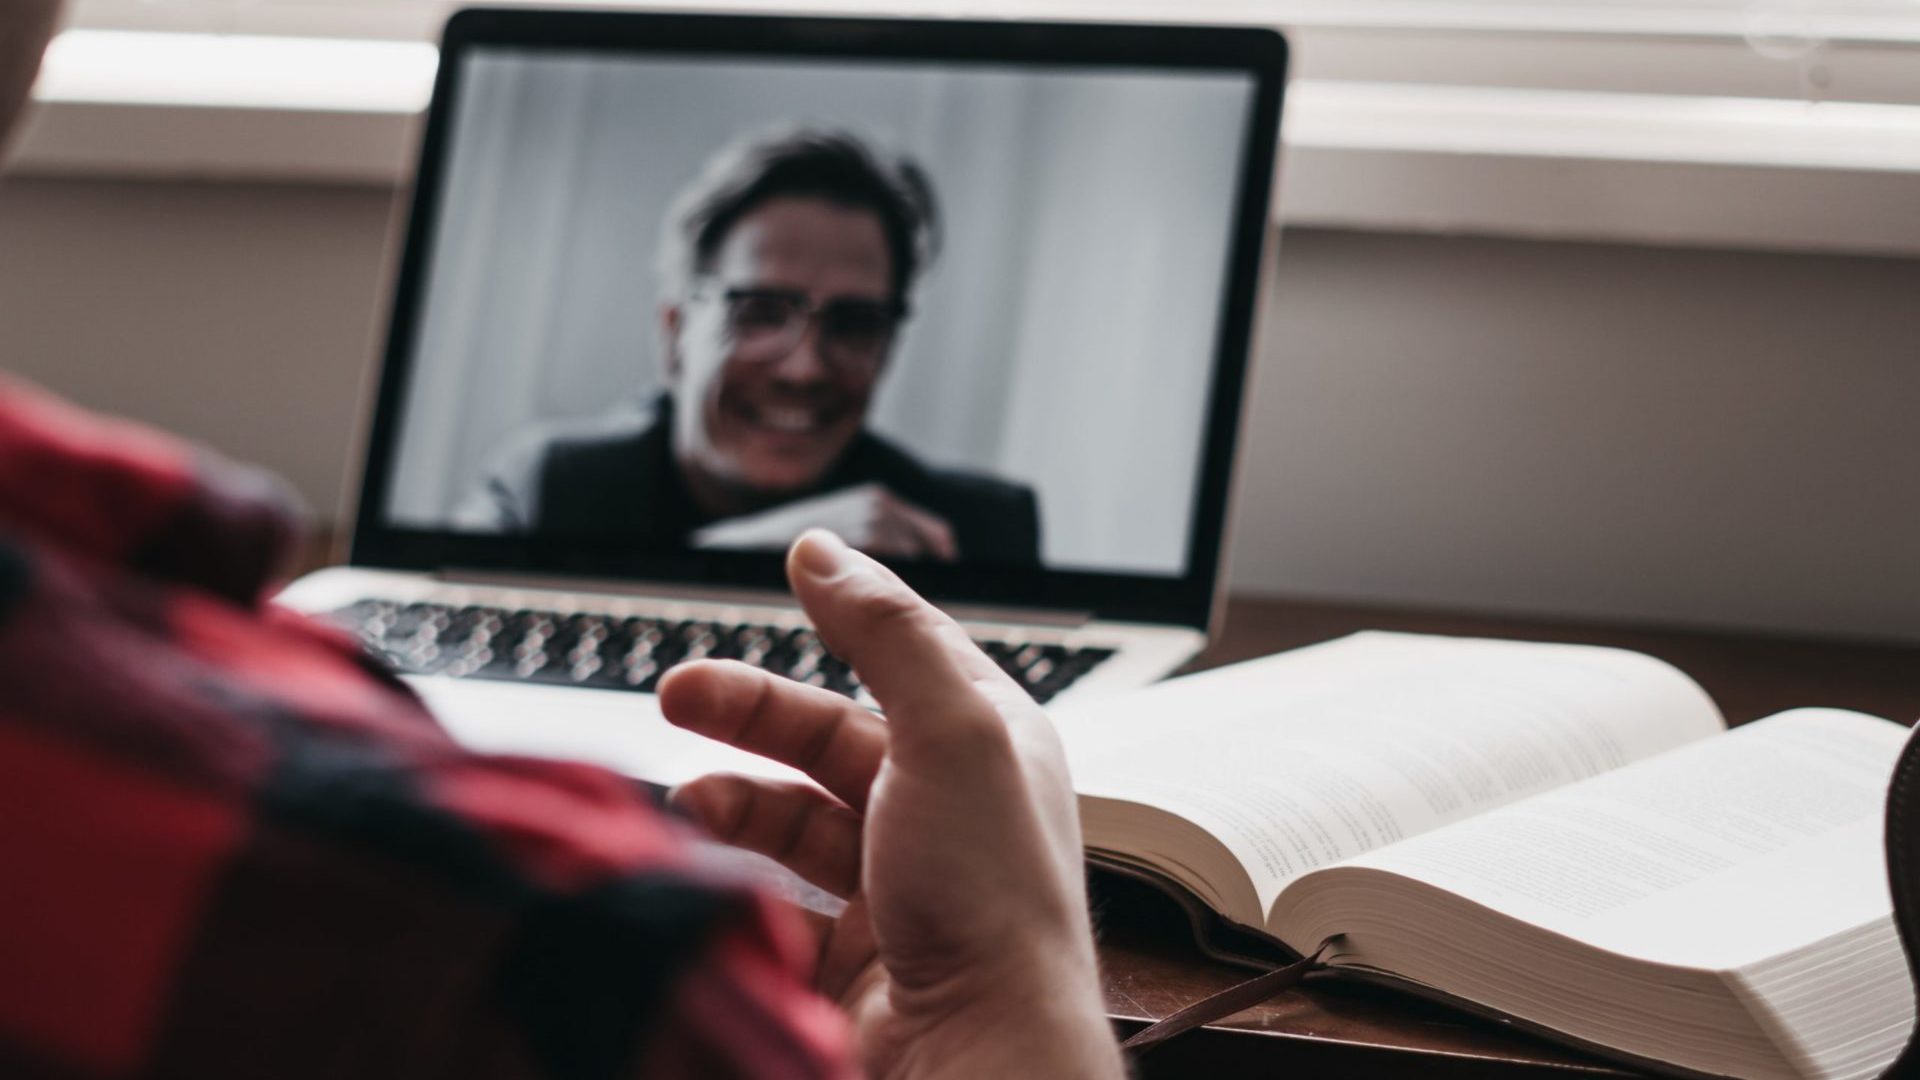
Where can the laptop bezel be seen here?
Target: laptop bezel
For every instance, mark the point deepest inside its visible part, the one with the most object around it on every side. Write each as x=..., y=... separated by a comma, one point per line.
x=1186, y=600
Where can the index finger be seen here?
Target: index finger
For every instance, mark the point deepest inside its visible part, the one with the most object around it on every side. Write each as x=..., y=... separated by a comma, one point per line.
x=932, y=681
x=830, y=738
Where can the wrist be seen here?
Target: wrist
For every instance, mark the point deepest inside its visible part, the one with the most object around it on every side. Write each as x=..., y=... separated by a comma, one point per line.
x=1071, y=1046
x=1054, y=1027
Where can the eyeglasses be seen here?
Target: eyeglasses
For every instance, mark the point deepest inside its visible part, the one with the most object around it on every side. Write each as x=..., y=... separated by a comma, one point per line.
x=766, y=325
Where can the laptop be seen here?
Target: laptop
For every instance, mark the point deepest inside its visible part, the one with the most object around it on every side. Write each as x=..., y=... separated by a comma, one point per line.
x=977, y=296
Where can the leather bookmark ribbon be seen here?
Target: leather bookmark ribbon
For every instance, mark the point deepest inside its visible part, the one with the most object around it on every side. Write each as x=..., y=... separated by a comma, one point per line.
x=1227, y=1002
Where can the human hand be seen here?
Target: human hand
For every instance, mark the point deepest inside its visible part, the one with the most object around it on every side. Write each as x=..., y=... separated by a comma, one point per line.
x=869, y=517
x=950, y=827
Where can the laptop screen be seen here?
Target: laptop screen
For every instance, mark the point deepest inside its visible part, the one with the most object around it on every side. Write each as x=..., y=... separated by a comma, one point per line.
x=967, y=312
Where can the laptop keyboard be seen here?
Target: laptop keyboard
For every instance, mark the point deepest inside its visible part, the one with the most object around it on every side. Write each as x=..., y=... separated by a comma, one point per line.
x=614, y=653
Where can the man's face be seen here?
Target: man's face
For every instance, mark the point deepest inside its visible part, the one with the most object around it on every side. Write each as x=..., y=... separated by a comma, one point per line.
x=765, y=412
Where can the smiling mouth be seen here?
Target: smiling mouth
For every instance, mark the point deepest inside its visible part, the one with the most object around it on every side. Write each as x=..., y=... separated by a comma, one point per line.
x=788, y=419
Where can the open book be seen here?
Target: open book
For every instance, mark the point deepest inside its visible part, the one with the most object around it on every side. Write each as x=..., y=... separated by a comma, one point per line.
x=1564, y=835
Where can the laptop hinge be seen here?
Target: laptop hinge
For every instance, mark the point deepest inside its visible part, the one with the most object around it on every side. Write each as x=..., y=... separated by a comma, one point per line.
x=715, y=594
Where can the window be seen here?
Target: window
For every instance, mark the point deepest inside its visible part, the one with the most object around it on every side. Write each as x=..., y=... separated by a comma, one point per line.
x=405, y=19
x=1849, y=50
x=1504, y=116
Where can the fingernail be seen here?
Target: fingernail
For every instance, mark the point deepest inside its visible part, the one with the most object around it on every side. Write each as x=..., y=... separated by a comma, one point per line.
x=821, y=554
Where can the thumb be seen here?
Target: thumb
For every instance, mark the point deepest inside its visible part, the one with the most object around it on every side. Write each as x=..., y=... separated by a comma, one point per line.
x=930, y=679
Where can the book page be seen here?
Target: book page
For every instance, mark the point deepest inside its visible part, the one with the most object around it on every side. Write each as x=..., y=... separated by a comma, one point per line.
x=1313, y=756
x=1716, y=855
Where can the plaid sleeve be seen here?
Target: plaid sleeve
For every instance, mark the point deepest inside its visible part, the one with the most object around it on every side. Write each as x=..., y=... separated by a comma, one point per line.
x=108, y=490
x=230, y=850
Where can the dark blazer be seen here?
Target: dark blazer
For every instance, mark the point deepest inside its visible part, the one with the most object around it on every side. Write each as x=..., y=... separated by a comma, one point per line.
x=619, y=478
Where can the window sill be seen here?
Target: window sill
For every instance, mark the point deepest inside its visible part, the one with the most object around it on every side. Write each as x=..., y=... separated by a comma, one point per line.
x=1654, y=168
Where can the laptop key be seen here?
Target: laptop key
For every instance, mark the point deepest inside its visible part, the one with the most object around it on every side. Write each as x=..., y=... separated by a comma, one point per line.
x=632, y=653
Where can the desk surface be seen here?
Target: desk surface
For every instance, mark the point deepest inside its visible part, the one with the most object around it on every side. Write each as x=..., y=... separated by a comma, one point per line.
x=1153, y=970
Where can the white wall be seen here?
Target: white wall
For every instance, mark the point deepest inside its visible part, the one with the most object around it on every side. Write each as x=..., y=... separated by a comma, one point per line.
x=242, y=316
x=1697, y=436
x=1701, y=436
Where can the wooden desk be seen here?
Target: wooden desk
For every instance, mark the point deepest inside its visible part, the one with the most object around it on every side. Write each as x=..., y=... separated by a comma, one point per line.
x=1153, y=970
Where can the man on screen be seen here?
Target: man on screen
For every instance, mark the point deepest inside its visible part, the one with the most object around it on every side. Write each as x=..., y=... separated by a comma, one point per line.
x=788, y=266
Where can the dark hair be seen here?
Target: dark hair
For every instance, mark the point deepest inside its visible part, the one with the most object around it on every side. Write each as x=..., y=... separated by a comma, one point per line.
x=831, y=165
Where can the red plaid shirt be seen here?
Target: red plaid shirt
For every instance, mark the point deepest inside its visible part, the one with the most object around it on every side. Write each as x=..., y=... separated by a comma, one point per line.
x=231, y=846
